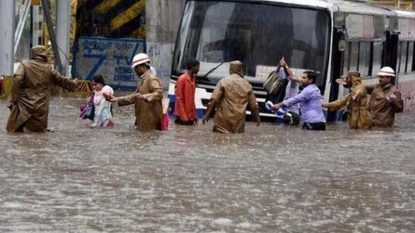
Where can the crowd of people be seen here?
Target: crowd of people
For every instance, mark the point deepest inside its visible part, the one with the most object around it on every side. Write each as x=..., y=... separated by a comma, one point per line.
x=230, y=100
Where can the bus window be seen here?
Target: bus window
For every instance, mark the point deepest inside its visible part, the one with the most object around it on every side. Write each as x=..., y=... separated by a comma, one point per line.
x=377, y=57
x=364, y=58
x=403, y=50
x=354, y=55
x=410, y=66
x=346, y=60
x=216, y=32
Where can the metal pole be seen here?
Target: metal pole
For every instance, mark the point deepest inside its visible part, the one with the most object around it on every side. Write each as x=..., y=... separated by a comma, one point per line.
x=31, y=30
x=20, y=25
x=63, y=19
x=7, y=13
x=52, y=37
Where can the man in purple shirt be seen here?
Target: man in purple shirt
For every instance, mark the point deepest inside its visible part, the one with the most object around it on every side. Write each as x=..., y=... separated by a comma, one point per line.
x=310, y=103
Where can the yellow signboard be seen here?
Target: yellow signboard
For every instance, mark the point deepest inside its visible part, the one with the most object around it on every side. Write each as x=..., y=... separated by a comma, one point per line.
x=34, y=2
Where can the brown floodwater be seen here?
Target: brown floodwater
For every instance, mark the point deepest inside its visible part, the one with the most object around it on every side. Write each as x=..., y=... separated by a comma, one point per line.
x=273, y=178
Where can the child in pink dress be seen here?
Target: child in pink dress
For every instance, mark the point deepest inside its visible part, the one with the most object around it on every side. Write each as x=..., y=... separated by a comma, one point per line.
x=103, y=115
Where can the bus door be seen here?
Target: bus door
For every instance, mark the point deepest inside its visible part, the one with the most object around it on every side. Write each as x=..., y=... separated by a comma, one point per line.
x=336, y=65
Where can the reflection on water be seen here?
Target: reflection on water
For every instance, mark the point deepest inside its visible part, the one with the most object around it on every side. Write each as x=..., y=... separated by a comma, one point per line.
x=271, y=179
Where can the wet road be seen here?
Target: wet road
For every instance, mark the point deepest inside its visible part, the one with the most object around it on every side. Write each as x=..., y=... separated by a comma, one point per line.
x=271, y=179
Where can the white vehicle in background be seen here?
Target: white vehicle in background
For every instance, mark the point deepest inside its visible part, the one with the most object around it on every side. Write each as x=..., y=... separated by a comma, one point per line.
x=328, y=37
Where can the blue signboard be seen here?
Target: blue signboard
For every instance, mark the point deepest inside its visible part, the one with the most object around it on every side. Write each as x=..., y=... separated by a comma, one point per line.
x=109, y=57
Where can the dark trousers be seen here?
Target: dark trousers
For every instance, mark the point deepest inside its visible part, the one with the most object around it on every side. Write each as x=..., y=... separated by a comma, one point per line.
x=314, y=126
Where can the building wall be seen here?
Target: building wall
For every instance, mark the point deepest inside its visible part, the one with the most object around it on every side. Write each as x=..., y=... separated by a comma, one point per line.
x=162, y=22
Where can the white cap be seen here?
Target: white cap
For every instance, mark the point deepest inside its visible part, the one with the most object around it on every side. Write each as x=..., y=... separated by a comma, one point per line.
x=140, y=58
x=386, y=71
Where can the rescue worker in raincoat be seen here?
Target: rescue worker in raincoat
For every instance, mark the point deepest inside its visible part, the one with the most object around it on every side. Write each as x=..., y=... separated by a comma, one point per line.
x=31, y=89
x=356, y=103
x=385, y=99
x=230, y=99
x=147, y=97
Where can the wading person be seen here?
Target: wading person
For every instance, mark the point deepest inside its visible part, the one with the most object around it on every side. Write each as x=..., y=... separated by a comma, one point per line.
x=30, y=95
x=310, y=103
x=146, y=99
x=292, y=117
x=356, y=103
x=185, y=108
x=230, y=99
x=103, y=114
x=385, y=99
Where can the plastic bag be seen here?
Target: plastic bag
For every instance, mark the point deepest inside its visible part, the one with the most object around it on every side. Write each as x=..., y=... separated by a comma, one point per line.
x=273, y=83
x=88, y=109
x=165, y=119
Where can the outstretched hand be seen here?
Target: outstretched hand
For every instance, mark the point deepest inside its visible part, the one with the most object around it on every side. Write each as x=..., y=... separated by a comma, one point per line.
x=391, y=98
x=10, y=105
x=109, y=97
x=277, y=106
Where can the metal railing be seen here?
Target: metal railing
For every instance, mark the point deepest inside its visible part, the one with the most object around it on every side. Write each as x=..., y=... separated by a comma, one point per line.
x=402, y=4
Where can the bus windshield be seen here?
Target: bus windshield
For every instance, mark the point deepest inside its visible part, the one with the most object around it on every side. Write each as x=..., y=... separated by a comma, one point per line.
x=257, y=34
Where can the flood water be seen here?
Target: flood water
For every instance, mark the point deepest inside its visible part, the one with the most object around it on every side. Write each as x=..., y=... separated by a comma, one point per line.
x=273, y=178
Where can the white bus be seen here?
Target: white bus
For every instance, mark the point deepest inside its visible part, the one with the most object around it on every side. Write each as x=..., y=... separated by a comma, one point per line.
x=329, y=37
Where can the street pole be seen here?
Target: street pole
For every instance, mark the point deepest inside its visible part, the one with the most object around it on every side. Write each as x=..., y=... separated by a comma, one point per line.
x=63, y=19
x=7, y=14
x=52, y=37
x=31, y=30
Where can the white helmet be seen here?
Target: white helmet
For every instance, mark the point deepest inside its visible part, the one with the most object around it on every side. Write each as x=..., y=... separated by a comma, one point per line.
x=386, y=71
x=140, y=59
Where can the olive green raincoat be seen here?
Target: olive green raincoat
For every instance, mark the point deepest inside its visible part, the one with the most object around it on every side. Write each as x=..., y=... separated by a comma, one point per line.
x=30, y=95
x=357, y=105
x=383, y=112
x=230, y=99
x=148, y=111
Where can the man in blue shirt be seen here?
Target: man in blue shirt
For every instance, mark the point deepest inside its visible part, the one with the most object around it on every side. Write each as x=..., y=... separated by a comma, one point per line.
x=310, y=103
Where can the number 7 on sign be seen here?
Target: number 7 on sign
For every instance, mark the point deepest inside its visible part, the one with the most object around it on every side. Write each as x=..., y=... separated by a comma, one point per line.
x=101, y=58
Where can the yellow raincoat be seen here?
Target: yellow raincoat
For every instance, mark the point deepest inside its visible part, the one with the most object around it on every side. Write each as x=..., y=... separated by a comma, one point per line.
x=148, y=112
x=30, y=95
x=230, y=99
x=357, y=105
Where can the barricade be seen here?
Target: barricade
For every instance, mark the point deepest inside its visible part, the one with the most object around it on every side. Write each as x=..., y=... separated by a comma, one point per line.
x=6, y=86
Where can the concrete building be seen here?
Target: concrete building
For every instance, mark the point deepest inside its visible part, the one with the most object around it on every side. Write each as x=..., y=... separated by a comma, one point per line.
x=162, y=22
